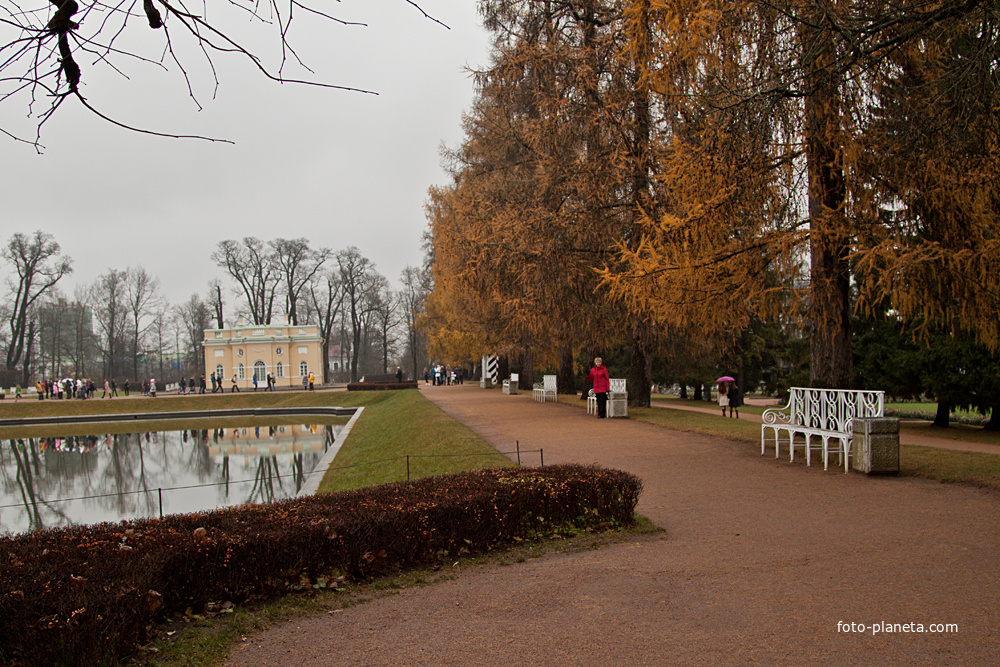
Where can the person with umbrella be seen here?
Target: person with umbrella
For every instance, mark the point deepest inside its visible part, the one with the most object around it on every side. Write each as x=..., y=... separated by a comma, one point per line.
x=729, y=396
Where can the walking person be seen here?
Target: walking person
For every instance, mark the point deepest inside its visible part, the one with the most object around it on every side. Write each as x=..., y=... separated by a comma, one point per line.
x=202, y=385
x=114, y=387
x=152, y=387
x=312, y=380
x=107, y=390
x=602, y=385
x=255, y=382
x=125, y=387
x=236, y=386
x=735, y=400
x=723, y=397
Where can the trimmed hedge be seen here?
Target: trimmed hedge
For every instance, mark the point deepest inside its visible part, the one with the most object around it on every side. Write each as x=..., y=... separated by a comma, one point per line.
x=91, y=595
x=380, y=386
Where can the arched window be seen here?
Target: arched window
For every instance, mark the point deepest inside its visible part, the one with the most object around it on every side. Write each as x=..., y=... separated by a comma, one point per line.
x=220, y=372
x=260, y=371
x=239, y=372
x=279, y=370
x=303, y=368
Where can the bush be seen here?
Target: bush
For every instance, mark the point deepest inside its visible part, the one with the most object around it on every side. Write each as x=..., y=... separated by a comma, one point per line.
x=91, y=595
x=380, y=386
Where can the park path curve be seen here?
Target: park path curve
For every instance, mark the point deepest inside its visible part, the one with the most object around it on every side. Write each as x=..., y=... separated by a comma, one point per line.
x=760, y=560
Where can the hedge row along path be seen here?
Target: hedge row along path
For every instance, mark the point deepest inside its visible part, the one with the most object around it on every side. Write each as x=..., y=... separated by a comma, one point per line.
x=760, y=561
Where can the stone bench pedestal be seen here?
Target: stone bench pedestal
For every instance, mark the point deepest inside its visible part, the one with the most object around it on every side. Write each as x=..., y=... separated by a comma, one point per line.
x=875, y=446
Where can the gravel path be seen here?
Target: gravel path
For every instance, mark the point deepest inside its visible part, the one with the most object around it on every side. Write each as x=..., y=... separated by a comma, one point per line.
x=760, y=561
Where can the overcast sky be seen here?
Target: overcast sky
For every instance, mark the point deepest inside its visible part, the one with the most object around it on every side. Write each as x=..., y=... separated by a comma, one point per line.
x=339, y=168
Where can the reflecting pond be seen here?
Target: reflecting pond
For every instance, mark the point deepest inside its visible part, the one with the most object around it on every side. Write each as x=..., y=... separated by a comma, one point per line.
x=62, y=481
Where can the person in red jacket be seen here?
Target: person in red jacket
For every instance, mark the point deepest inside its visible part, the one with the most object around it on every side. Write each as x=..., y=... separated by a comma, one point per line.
x=602, y=385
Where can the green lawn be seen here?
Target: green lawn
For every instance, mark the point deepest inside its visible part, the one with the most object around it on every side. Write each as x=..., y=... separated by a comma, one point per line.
x=400, y=424
x=941, y=465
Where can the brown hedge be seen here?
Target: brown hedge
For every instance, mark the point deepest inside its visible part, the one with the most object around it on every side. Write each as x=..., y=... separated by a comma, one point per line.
x=380, y=386
x=91, y=595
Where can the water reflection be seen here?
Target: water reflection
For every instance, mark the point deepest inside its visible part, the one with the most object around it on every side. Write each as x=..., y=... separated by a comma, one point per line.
x=50, y=482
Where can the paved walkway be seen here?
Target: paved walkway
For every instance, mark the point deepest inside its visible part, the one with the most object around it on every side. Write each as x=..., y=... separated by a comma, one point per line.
x=760, y=561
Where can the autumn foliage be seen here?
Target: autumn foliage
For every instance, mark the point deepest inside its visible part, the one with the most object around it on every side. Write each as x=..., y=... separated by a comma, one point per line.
x=636, y=170
x=91, y=595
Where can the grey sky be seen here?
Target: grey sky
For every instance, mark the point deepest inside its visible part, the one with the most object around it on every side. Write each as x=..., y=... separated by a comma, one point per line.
x=339, y=168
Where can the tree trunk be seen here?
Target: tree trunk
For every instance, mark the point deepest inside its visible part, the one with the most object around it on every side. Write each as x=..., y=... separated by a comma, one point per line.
x=566, y=378
x=526, y=370
x=942, y=417
x=831, y=358
x=503, y=368
x=29, y=349
x=640, y=368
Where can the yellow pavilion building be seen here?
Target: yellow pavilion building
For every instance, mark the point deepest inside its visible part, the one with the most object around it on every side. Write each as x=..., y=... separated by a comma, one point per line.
x=288, y=352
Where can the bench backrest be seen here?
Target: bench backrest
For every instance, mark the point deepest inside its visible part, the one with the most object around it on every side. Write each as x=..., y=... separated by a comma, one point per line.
x=834, y=409
x=513, y=378
x=617, y=386
x=549, y=382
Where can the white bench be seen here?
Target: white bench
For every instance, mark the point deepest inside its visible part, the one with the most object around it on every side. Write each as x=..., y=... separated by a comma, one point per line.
x=541, y=391
x=617, y=400
x=510, y=386
x=826, y=414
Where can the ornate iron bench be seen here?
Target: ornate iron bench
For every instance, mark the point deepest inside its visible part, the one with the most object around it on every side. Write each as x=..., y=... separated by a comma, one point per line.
x=542, y=390
x=826, y=414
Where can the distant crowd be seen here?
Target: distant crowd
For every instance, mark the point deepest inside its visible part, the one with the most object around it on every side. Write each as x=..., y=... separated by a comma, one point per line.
x=83, y=388
x=441, y=375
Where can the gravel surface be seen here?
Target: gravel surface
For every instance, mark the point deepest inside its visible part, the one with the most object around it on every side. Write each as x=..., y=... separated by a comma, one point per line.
x=760, y=561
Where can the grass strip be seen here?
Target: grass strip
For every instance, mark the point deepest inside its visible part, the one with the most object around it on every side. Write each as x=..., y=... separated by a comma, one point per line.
x=404, y=423
x=941, y=465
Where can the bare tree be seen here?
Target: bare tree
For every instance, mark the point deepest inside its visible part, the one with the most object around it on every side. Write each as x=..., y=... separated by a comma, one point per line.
x=385, y=316
x=108, y=296
x=326, y=295
x=40, y=47
x=357, y=274
x=142, y=298
x=251, y=264
x=216, y=303
x=194, y=316
x=296, y=263
x=416, y=287
x=38, y=268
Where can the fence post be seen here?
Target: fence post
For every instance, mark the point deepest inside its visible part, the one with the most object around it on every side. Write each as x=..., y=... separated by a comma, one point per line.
x=407, y=467
x=541, y=455
x=518, y=443
x=159, y=492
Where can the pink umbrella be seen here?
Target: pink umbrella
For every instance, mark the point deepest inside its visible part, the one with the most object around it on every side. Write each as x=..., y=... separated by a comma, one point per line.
x=726, y=378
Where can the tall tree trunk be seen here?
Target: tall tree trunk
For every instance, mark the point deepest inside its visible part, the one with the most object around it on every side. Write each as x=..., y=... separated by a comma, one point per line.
x=566, y=378
x=503, y=367
x=29, y=349
x=831, y=358
x=526, y=369
x=640, y=367
x=942, y=417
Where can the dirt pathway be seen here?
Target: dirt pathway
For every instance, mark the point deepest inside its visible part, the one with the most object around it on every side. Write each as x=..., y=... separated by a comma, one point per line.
x=760, y=561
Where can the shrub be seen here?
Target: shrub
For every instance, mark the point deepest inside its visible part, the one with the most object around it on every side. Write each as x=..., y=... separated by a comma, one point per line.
x=380, y=386
x=91, y=595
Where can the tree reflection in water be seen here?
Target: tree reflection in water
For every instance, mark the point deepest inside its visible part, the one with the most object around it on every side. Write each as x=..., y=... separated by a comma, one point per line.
x=50, y=482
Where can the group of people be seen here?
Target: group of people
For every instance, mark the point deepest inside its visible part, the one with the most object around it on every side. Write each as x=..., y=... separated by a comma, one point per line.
x=441, y=374
x=729, y=397
x=80, y=388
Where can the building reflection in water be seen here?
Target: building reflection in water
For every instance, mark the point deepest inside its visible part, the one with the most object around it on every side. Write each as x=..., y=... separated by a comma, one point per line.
x=50, y=482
